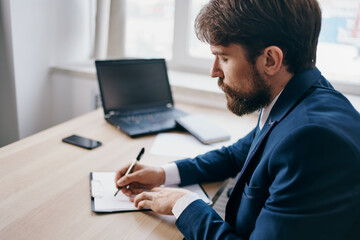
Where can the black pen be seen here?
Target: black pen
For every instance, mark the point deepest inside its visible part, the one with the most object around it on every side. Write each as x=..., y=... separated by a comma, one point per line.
x=132, y=166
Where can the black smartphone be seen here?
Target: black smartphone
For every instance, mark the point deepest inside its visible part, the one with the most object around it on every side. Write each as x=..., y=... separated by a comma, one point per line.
x=82, y=142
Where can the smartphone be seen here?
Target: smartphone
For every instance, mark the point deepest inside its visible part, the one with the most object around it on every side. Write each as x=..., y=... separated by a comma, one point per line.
x=82, y=142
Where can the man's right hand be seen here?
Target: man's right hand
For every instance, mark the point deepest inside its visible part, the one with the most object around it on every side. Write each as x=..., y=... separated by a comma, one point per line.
x=141, y=178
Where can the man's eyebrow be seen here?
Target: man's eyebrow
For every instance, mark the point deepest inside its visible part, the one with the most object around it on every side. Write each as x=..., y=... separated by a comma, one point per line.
x=219, y=53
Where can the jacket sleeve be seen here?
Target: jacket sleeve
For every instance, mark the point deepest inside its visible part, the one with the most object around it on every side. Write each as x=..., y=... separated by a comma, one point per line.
x=215, y=165
x=200, y=221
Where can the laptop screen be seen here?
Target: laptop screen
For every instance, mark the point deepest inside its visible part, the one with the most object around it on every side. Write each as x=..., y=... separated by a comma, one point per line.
x=129, y=85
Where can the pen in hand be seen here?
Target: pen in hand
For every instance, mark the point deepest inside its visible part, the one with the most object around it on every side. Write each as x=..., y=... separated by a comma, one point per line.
x=131, y=167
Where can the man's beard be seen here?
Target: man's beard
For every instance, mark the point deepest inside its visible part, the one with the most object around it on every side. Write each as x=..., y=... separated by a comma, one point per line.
x=242, y=103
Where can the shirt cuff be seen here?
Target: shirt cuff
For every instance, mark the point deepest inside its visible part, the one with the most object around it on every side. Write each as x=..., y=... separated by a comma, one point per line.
x=172, y=175
x=183, y=203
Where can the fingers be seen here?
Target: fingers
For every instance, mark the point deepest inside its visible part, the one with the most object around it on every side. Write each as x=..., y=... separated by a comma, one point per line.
x=121, y=180
x=121, y=172
x=156, y=189
x=143, y=200
x=144, y=204
x=126, y=191
x=160, y=200
x=117, y=176
x=134, y=190
x=130, y=190
x=128, y=179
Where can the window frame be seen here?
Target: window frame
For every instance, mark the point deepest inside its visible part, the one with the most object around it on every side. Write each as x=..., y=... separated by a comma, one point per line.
x=182, y=60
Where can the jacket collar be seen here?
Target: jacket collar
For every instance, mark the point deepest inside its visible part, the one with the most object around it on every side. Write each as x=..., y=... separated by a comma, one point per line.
x=292, y=93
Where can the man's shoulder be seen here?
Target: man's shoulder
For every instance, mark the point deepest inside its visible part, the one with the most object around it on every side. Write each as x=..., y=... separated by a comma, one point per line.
x=323, y=111
x=325, y=106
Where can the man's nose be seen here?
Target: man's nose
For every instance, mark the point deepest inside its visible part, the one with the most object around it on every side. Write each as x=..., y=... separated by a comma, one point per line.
x=216, y=71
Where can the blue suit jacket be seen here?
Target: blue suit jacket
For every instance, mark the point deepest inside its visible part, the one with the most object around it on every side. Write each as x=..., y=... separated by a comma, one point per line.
x=299, y=176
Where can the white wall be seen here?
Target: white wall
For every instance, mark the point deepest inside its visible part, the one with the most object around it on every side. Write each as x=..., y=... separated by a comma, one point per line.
x=74, y=93
x=45, y=33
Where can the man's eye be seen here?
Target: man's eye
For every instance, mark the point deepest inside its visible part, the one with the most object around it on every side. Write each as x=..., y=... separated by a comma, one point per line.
x=224, y=60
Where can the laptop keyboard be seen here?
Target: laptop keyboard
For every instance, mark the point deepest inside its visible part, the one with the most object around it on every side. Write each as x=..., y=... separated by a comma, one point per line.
x=157, y=117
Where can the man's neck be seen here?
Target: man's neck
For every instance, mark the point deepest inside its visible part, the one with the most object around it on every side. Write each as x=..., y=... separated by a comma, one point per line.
x=266, y=111
x=279, y=81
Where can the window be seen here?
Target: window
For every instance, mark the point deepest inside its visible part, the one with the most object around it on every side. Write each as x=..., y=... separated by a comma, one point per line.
x=339, y=42
x=197, y=48
x=164, y=28
x=149, y=28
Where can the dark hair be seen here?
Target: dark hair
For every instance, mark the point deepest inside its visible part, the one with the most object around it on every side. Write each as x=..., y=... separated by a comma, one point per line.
x=292, y=25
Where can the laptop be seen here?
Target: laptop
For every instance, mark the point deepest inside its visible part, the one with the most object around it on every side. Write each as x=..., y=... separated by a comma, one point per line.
x=136, y=95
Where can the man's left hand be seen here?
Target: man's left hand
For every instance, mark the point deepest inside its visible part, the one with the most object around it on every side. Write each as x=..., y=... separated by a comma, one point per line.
x=160, y=200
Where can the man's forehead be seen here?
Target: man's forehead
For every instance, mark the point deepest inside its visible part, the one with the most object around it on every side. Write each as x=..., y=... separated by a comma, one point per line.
x=231, y=49
x=219, y=50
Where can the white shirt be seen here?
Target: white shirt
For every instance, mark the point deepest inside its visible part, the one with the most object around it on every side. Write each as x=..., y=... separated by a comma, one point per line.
x=172, y=175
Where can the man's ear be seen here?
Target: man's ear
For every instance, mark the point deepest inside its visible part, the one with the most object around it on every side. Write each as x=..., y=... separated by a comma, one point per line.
x=272, y=60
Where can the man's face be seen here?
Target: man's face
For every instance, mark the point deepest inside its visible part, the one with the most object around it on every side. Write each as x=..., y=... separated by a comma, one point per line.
x=246, y=91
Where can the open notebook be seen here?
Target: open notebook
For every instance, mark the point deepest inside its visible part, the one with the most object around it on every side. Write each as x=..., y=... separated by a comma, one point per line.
x=103, y=187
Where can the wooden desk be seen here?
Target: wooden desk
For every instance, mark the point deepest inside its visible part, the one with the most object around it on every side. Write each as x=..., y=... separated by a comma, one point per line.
x=44, y=191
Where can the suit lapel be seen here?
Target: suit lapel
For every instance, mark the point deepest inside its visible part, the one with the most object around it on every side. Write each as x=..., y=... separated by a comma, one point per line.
x=245, y=173
x=288, y=99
